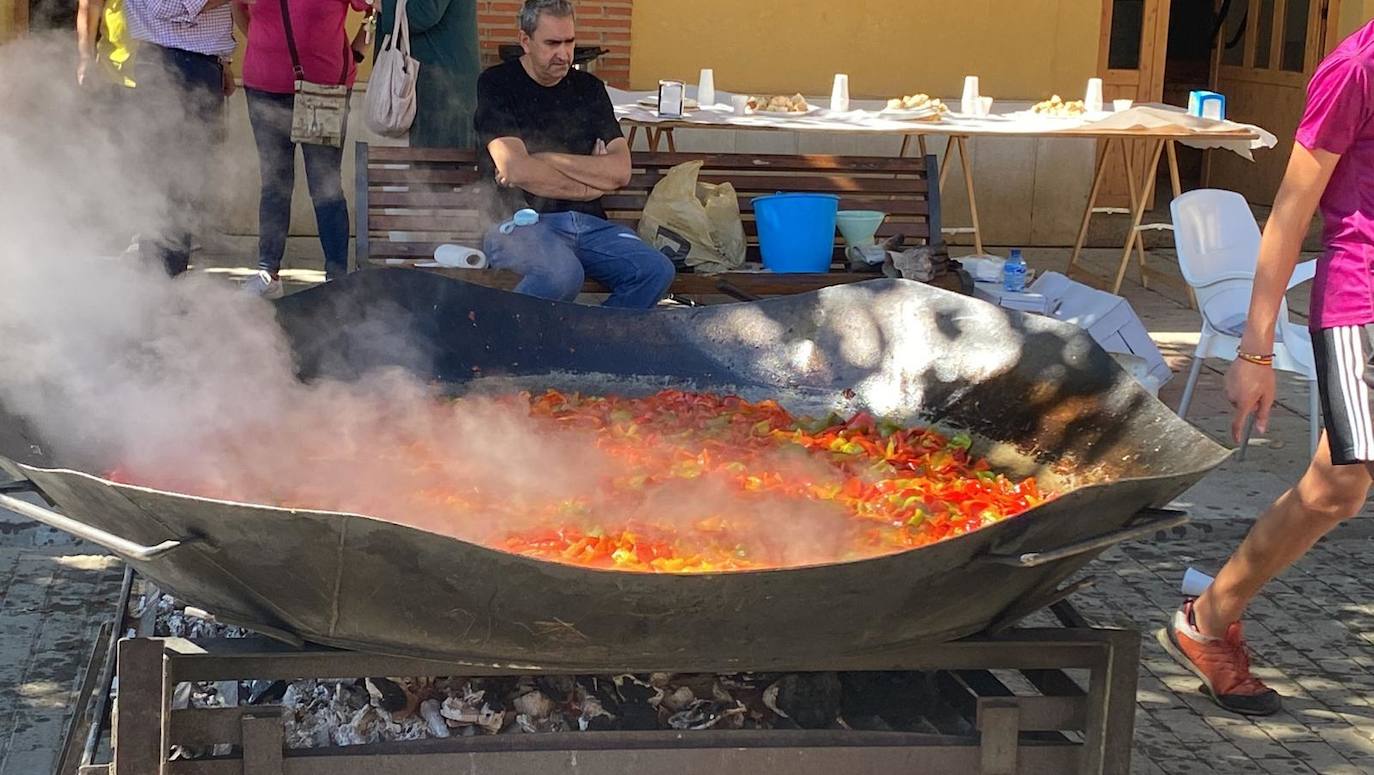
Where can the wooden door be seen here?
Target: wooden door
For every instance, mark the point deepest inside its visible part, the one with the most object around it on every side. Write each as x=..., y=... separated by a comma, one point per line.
x=1264, y=56
x=1135, y=35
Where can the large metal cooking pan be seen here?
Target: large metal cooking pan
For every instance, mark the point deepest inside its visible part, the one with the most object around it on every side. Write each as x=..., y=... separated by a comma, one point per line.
x=1041, y=396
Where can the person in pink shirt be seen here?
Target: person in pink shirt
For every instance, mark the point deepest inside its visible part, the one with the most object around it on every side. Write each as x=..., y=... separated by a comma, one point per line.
x=1331, y=168
x=326, y=57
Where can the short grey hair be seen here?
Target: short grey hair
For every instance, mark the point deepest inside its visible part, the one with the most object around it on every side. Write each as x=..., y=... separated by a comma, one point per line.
x=533, y=9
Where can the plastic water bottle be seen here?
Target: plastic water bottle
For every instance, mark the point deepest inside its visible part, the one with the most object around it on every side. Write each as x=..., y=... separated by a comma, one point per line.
x=1014, y=273
x=525, y=217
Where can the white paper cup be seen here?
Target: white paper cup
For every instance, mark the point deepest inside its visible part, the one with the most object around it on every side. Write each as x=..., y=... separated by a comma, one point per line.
x=1120, y=105
x=740, y=103
x=1195, y=582
x=969, y=104
x=706, y=88
x=984, y=106
x=839, y=94
x=1092, y=98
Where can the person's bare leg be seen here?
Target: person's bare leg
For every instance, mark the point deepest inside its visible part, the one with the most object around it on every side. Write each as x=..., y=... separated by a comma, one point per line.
x=1325, y=496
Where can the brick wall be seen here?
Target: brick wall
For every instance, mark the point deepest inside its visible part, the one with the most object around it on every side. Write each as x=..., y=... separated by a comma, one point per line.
x=604, y=23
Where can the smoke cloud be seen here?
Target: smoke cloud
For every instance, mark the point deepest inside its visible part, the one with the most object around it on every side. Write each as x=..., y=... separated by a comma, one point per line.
x=187, y=385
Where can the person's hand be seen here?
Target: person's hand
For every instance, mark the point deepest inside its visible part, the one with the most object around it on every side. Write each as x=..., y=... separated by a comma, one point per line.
x=360, y=41
x=1250, y=389
x=228, y=81
x=81, y=65
x=600, y=148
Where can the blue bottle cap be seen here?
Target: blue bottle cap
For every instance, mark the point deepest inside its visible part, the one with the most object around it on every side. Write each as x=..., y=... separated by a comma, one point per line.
x=526, y=217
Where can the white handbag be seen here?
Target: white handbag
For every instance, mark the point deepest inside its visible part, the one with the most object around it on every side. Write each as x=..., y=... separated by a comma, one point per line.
x=391, y=90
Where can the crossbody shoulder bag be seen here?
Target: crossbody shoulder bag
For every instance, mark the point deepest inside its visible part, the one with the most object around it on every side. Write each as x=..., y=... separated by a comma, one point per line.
x=319, y=111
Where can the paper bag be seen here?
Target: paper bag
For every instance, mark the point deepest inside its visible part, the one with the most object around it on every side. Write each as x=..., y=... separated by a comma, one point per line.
x=694, y=224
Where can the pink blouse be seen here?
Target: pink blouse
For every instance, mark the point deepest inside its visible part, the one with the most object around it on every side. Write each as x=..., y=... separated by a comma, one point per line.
x=321, y=43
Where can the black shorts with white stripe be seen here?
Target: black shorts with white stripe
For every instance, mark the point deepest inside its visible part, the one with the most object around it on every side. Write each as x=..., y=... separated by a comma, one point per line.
x=1345, y=372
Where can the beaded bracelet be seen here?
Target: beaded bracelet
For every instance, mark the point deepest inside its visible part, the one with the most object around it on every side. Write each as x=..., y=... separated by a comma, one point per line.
x=1258, y=360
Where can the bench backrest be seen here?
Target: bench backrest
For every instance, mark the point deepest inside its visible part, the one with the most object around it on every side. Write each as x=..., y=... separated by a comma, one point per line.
x=409, y=200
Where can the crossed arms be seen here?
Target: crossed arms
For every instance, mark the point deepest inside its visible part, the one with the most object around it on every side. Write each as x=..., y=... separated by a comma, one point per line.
x=562, y=175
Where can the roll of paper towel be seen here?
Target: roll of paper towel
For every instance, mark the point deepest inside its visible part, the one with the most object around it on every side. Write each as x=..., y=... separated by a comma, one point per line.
x=460, y=257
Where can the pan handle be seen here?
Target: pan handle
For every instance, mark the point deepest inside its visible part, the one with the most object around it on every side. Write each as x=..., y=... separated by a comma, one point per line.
x=121, y=546
x=1154, y=520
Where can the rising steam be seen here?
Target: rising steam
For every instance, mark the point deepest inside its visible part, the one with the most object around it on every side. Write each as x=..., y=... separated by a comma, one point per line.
x=187, y=385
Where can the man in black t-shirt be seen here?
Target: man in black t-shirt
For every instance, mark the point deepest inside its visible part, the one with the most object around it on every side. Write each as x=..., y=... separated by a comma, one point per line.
x=549, y=138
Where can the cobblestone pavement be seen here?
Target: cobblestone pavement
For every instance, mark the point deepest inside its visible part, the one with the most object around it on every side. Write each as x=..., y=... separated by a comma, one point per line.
x=56, y=594
x=1313, y=630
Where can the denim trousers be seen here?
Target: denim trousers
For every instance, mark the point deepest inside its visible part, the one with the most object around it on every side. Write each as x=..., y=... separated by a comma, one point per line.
x=180, y=101
x=555, y=255
x=270, y=116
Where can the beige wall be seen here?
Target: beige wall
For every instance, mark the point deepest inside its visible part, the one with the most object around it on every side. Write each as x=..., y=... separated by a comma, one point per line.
x=1354, y=13
x=1030, y=191
x=9, y=28
x=1019, y=48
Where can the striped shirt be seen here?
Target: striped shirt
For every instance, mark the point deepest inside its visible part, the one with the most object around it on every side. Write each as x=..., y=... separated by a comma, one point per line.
x=182, y=24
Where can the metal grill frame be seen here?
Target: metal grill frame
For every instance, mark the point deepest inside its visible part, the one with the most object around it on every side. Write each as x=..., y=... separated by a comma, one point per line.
x=1103, y=716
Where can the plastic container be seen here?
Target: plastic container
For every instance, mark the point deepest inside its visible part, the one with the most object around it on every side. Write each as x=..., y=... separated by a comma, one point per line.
x=797, y=231
x=1014, y=273
x=525, y=217
x=859, y=226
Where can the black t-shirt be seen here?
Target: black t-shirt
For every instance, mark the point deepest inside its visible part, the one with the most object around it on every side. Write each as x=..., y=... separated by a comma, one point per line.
x=568, y=117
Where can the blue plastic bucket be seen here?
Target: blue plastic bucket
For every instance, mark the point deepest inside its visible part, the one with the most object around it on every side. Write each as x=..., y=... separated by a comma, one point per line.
x=797, y=231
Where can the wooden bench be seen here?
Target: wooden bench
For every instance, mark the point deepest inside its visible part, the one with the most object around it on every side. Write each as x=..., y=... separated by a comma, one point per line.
x=410, y=201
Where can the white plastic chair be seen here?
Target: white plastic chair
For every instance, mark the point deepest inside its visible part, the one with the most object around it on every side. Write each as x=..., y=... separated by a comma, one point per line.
x=1218, y=248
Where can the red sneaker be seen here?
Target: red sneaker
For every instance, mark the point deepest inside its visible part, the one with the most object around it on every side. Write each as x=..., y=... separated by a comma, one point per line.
x=1223, y=664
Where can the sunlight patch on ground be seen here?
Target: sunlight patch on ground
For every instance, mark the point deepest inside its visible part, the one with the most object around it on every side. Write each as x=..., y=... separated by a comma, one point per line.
x=44, y=694
x=1176, y=339
x=299, y=276
x=234, y=272
x=87, y=561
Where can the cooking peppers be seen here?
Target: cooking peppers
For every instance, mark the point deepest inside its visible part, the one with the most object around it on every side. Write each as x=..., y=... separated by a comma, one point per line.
x=901, y=487
x=683, y=482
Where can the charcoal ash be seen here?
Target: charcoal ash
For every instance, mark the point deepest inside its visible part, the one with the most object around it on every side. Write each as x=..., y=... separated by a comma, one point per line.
x=389, y=696
x=200, y=694
x=327, y=713
x=358, y=711
x=709, y=714
x=174, y=619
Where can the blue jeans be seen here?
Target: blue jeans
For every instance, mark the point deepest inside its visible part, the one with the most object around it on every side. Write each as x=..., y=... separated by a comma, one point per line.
x=180, y=97
x=558, y=253
x=270, y=115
